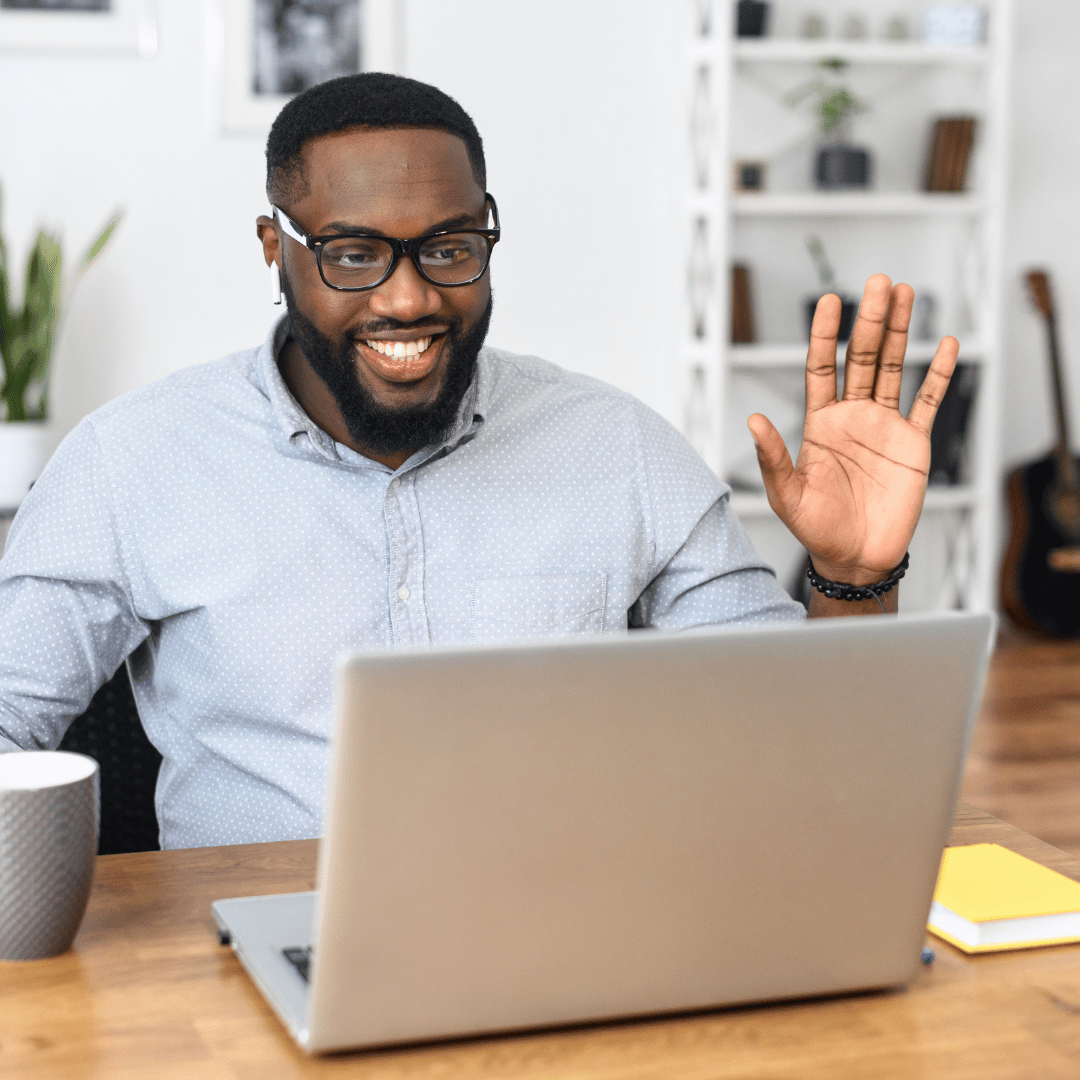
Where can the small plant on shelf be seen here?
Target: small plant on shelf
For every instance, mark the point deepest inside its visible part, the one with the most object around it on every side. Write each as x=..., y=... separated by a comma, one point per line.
x=838, y=164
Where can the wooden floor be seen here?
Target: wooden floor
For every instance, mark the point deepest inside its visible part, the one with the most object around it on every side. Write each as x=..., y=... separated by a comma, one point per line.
x=1024, y=764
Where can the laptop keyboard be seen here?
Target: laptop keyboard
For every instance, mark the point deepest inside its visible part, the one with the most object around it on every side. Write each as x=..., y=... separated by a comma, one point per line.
x=300, y=958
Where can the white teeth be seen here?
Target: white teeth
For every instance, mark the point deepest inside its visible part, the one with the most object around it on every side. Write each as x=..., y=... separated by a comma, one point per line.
x=400, y=348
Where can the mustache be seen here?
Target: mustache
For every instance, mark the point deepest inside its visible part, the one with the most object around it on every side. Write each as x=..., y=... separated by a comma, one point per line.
x=382, y=326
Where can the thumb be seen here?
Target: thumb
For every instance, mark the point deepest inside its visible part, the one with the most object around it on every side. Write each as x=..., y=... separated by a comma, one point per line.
x=774, y=461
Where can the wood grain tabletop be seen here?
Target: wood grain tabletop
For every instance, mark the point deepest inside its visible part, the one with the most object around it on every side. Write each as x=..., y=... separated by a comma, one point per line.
x=147, y=992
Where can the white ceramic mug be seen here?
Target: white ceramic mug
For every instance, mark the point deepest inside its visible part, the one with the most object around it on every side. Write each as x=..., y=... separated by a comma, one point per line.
x=48, y=844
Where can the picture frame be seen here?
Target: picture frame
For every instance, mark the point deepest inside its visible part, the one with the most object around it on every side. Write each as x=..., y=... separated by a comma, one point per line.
x=128, y=26
x=749, y=175
x=246, y=111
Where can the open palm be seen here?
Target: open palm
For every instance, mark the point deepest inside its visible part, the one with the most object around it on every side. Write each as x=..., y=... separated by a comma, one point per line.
x=854, y=496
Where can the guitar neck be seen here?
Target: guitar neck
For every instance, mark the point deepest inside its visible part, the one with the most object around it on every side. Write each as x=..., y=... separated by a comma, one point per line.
x=1066, y=464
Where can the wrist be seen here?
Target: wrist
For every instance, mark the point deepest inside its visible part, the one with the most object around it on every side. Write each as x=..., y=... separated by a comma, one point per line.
x=854, y=591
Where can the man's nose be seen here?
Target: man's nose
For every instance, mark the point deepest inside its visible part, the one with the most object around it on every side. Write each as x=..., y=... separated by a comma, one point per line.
x=405, y=295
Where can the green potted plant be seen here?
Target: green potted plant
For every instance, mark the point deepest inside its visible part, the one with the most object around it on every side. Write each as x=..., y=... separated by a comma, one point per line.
x=28, y=332
x=838, y=164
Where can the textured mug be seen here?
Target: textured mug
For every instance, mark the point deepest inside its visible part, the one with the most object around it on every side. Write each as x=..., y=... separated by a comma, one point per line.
x=48, y=844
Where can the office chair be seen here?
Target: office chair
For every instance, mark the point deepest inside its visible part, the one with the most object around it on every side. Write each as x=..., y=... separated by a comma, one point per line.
x=111, y=733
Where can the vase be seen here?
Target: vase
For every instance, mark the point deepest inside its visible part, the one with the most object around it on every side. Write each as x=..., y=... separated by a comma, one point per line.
x=842, y=166
x=751, y=18
x=24, y=448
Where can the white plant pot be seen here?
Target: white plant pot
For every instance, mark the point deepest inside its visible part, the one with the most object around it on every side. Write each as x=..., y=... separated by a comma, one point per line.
x=24, y=449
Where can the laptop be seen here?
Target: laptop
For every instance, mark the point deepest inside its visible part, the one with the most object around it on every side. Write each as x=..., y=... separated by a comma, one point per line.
x=541, y=835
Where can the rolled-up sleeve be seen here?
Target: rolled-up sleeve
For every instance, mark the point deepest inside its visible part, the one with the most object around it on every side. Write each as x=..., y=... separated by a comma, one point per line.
x=706, y=570
x=67, y=620
x=715, y=577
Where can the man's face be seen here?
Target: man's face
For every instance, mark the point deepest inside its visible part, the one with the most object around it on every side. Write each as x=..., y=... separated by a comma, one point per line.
x=400, y=183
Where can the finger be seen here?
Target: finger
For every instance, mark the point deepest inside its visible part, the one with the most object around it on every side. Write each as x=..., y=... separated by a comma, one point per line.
x=777, y=471
x=821, y=356
x=927, y=400
x=891, y=363
x=866, y=337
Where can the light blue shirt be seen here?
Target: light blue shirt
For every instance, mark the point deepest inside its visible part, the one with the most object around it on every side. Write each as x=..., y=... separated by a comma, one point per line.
x=208, y=531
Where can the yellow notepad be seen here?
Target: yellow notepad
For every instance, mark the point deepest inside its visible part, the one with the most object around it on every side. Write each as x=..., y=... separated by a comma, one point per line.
x=990, y=898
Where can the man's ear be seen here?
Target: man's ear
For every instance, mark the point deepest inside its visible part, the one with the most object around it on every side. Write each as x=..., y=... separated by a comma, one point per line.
x=267, y=229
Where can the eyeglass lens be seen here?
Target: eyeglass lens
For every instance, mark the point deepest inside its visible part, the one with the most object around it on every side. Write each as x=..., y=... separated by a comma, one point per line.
x=356, y=261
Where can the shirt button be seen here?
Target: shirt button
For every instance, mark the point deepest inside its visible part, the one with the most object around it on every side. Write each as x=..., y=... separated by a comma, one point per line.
x=394, y=485
x=403, y=593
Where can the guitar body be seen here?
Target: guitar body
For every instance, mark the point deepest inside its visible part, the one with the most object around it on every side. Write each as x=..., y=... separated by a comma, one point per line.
x=1040, y=589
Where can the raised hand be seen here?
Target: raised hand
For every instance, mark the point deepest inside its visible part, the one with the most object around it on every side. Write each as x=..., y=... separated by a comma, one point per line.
x=854, y=496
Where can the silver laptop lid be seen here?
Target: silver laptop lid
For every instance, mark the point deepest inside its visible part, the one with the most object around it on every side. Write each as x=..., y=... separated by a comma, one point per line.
x=540, y=835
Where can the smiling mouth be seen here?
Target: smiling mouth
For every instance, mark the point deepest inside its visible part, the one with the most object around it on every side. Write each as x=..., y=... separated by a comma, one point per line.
x=402, y=362
x=400, y=349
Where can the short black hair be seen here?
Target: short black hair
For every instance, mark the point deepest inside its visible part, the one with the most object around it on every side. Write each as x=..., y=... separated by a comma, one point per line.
x=372, y=99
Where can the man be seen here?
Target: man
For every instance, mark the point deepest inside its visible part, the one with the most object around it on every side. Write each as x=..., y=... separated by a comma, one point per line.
x=372, y=477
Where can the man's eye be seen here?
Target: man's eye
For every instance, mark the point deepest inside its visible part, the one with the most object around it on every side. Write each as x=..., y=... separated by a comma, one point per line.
x=354, y=256
x=448, y=253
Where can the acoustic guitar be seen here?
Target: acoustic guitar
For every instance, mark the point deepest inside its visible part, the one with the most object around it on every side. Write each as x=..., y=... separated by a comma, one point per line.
x=1040, y=575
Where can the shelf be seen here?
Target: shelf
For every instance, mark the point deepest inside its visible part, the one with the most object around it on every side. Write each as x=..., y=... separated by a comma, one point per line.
x=795, y=50
x=955, y=237
x=855, y=204
x=793, y=354
x=938, y=498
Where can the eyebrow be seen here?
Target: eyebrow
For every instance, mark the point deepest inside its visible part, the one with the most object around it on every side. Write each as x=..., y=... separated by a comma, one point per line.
x=461, y=221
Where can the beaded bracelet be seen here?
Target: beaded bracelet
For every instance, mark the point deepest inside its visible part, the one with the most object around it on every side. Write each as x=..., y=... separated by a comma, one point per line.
x=837, y=590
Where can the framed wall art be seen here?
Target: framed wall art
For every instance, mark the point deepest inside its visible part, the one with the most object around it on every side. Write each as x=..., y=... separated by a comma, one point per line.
x=79, y=26
x=274, y=49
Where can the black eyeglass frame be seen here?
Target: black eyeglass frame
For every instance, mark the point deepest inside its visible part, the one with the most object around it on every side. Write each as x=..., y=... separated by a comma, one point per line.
x=399, y=248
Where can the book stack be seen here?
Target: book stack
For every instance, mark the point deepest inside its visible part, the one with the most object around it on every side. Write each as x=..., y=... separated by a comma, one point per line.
x=950, y=151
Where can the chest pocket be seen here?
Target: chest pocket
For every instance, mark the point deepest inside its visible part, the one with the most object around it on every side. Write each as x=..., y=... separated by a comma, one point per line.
x=538, y=606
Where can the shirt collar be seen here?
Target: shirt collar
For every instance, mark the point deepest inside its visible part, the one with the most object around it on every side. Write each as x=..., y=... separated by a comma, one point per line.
x=295, y=423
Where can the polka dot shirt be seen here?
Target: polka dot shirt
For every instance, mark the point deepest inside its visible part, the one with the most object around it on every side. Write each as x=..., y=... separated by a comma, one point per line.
x=207, y=532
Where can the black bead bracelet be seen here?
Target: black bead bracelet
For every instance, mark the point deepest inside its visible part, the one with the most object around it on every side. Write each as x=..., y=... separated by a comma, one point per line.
x=837, y=590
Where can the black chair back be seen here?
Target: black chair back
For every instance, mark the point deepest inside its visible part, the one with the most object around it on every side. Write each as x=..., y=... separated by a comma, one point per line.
x=111, y=733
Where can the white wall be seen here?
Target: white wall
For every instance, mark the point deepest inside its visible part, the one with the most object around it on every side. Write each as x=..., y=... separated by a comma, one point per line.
x=1044, y=220
x=573, y=101
x=581, y=110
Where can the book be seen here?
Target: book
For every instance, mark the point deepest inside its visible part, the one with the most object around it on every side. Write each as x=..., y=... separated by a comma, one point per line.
x=951, y=142
x=988, y=898
x=742, y=307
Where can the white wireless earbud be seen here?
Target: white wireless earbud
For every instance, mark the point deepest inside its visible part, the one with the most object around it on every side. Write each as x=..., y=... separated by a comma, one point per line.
x=275, y=282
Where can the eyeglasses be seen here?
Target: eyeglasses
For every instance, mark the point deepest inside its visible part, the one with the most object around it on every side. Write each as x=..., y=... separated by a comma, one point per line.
x=356, y=261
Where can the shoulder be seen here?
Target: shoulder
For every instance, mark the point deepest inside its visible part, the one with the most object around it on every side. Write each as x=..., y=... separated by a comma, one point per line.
x=518, y=388
x=591, y=428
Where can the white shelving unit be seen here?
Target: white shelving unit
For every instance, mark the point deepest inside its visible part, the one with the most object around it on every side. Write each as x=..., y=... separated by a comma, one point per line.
x=951, y=240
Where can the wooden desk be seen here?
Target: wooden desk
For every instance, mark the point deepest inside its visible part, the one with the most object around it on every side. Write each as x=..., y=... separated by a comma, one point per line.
x=147, y=992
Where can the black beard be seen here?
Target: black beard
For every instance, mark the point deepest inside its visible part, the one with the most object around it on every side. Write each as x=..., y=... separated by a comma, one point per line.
x=380, y=428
